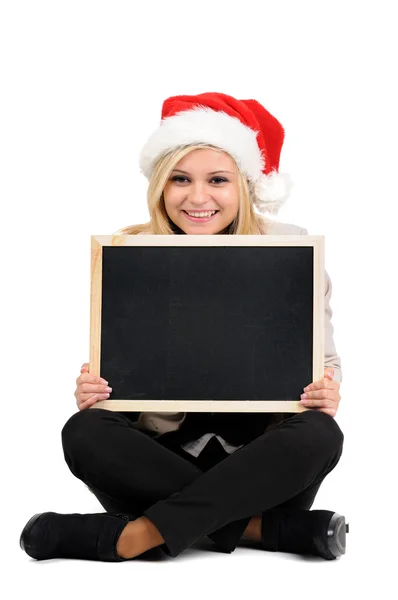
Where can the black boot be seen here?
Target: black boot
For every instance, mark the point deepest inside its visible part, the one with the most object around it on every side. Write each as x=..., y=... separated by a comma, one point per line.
x=318, y=532
x=87, y=536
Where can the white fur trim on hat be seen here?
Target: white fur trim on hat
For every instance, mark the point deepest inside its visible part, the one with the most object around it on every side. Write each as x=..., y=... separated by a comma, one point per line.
x=205, y=125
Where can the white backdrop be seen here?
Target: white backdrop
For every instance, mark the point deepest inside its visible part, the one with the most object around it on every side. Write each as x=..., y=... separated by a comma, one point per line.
x=82, y=84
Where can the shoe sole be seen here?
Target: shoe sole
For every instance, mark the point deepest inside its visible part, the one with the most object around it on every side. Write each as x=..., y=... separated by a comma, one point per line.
x=26, y=530
x=336, y=535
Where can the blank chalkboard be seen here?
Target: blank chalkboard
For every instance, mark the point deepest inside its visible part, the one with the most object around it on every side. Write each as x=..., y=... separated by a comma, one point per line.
x=210, y=323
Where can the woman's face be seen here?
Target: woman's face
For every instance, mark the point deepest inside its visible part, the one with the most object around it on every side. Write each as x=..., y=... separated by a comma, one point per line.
x=204, y=180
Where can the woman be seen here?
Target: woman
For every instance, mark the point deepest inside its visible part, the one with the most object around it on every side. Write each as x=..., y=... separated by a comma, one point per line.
x=168, y=479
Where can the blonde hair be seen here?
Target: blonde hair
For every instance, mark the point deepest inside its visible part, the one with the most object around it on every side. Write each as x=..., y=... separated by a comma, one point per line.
x=246, y=222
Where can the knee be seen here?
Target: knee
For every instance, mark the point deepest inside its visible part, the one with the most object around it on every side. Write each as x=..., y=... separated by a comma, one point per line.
x=324, y=430
x=81, y=429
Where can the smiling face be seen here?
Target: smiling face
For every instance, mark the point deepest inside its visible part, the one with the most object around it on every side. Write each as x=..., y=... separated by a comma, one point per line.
x=202, y=181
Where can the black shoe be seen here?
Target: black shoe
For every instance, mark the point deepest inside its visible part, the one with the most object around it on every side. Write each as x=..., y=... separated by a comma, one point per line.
x=318, y=532
x=87, y=536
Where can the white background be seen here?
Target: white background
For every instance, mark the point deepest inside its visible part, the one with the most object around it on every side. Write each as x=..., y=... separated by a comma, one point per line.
x=82, y=84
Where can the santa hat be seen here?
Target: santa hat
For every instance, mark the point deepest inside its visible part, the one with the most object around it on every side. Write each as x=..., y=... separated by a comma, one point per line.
x=243, y=128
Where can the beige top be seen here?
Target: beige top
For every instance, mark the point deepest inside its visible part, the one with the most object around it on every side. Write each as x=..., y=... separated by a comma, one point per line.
x=162, y=422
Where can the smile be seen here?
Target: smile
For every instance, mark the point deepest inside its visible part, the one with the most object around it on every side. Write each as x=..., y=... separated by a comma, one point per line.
x=203, y=217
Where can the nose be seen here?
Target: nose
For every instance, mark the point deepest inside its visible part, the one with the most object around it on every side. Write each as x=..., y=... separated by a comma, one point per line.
x=198, y=195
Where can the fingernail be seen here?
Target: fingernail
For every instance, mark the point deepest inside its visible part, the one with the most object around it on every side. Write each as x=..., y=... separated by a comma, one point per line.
x=303, y=401
x=304, y=396
x=104, y=381
x=306, y=388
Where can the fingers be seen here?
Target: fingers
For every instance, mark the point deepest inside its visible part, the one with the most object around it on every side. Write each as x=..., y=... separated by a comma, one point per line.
x=87, y=403
x=83, y=404
x=88, y=378
x=94, y=388
x=318, y=402
x=323, y=397
x=90, y=388
x=317, y=394
x=84, y=377
x=88, y=394
x=322, y=384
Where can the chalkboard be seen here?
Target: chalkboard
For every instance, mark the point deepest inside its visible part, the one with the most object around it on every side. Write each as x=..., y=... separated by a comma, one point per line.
x=210, y=323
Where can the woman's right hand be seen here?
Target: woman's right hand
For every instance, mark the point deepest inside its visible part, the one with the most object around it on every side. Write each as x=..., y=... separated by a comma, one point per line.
x=90, y=389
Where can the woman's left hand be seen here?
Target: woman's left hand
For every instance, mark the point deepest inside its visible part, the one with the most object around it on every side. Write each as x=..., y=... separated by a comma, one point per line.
x=323, y=395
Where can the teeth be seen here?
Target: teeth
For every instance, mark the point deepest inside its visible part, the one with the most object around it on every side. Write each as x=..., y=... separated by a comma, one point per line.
x=202, y=214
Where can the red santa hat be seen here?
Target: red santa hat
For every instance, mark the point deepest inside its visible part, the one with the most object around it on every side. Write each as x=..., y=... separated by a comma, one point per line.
x=243, y=128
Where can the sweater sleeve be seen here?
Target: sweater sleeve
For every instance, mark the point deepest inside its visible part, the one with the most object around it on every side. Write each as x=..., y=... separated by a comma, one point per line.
x=332, y=359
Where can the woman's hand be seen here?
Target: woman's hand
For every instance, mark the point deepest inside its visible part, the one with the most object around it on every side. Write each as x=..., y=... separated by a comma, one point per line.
x=323, y=395
x=90, y=389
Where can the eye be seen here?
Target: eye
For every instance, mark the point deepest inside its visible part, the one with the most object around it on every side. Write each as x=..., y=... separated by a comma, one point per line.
x=177, y=178
x=181, y=177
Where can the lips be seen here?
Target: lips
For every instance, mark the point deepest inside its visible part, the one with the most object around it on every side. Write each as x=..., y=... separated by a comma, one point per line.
x=209, y=210
x=200, y=219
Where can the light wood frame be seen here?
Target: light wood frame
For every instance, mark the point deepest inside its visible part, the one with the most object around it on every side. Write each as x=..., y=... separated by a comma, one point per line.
x=97, y=244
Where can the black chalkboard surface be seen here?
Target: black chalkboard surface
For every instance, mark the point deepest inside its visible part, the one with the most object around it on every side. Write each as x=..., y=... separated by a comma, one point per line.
x=207, y=322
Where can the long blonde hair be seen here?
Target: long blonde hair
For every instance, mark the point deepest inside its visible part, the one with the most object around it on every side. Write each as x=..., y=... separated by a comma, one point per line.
x=246, y=222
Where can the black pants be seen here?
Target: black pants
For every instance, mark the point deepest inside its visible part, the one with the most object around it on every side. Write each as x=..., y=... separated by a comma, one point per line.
x=214, y=495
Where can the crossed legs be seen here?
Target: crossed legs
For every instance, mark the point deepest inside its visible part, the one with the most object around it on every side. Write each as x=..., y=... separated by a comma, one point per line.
x=172, y=502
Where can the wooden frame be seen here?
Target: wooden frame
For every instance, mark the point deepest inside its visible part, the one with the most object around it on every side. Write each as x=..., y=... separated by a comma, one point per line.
x=98, y=242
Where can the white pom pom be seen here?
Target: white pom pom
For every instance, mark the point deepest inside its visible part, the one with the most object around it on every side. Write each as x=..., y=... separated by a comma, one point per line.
x=271, y=191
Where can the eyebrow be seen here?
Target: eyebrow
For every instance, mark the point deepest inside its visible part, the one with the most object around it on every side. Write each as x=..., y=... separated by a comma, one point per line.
x=211, y=173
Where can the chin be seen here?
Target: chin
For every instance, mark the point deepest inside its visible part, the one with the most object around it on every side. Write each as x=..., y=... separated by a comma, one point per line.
x=200, y=229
